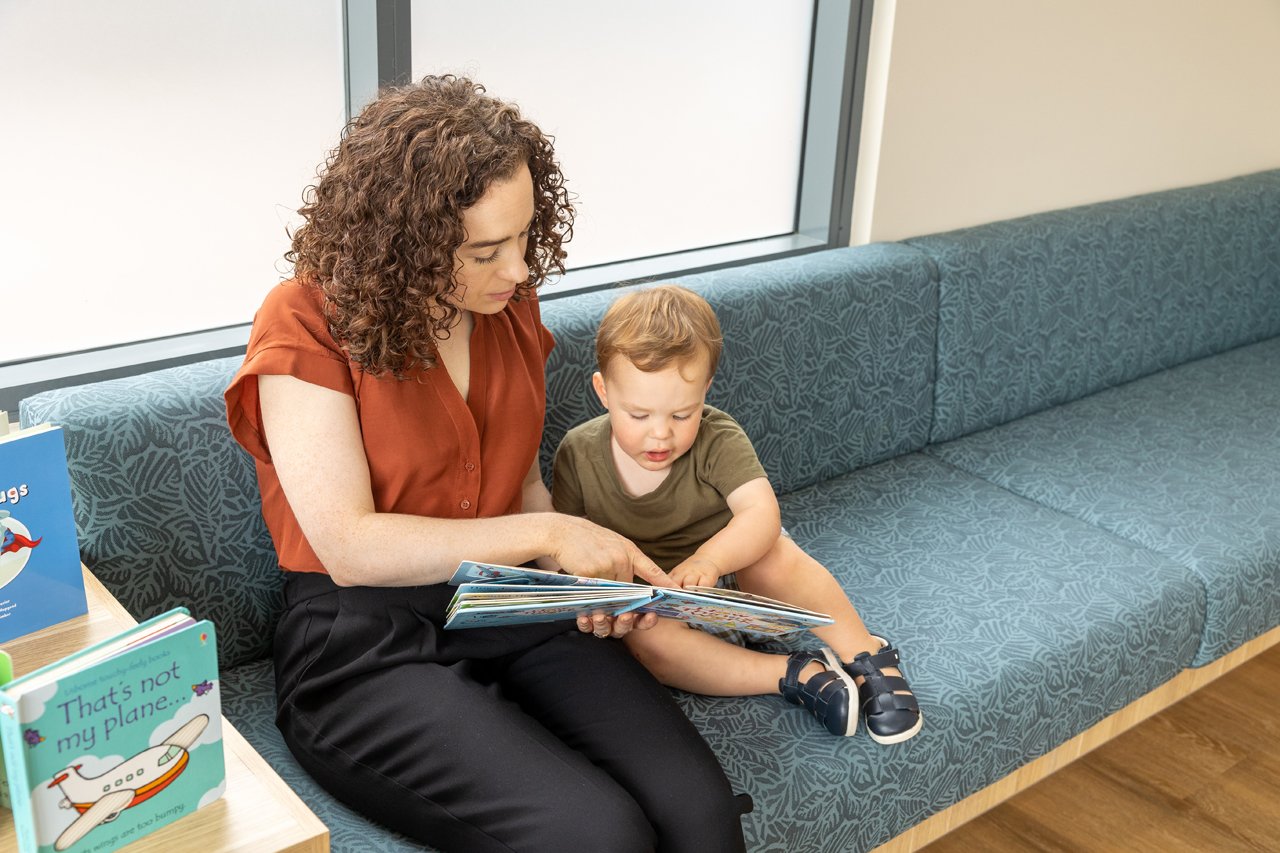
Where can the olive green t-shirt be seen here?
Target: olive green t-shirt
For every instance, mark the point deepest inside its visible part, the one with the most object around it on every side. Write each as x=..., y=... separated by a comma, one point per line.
x=688, y=508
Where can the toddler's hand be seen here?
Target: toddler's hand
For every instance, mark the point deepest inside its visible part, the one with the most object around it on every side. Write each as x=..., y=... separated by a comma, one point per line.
x=695, y=571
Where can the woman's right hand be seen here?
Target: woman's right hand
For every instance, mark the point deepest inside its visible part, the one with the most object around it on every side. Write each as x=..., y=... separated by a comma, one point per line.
x=589, y=550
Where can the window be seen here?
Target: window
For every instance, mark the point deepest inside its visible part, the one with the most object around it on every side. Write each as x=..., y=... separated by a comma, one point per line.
x=694, y=135
x=166, y=147
x=664, y=129
x=154, y=154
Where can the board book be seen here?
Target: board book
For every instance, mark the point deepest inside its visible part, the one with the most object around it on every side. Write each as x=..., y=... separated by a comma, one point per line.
x=114, y=741
x=490, y=595
x=41, y=582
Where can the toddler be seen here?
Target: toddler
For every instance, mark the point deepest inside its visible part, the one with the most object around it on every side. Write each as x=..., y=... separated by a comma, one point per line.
x=681, y=480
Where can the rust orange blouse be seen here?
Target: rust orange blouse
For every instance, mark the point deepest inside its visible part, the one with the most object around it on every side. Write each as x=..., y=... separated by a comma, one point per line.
x=430, y=452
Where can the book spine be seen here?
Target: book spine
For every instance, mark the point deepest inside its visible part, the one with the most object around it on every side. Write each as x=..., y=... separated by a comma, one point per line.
x=16, y=770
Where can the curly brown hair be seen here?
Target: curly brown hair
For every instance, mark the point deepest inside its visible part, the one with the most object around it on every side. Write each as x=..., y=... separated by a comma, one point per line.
x=384, y=220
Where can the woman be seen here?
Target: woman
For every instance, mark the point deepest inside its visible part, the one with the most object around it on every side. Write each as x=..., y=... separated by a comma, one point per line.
x=392, y=396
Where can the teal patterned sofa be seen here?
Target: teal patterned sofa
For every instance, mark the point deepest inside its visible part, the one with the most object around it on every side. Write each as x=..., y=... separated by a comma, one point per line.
x=1042, y=455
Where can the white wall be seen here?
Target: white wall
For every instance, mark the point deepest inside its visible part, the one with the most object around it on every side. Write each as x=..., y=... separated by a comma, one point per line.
x=989, y=109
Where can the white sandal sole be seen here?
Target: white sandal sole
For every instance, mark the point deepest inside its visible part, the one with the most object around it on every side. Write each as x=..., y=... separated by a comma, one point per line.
x=901, y=736
x=833, y=664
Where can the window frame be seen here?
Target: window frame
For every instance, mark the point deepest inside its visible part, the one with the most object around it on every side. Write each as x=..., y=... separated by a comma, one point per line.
x=376, y=35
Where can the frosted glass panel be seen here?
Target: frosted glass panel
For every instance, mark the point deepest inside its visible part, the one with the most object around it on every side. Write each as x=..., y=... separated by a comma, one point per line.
x=678, y=124
x=153, y=154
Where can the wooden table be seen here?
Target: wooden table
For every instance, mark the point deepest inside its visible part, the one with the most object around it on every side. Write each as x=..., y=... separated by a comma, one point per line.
x=258, y=812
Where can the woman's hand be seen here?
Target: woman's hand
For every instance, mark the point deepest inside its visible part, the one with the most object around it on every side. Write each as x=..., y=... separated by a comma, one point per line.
x=591, y=551
x=604, y=625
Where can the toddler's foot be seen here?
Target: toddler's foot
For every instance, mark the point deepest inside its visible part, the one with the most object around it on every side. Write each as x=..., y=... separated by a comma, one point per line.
x=830, y=695
x=886, y=701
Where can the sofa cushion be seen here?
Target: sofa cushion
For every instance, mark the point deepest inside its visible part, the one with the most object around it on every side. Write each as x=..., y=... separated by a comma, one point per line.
x=828, y=359
x=1049, y=308
x=1019, y=628
x=1185, y=463
x=166, y=503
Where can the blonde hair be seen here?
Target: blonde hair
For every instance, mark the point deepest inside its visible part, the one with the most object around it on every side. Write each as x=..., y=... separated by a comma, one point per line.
x=660, y=326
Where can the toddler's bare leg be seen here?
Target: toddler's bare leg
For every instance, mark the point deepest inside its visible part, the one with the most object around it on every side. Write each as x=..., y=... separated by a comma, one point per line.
x=693, y=660
x=788, y=574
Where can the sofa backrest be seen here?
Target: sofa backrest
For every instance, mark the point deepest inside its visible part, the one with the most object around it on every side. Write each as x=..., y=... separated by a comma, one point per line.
x=166, y=503
x=1047, y=308
x=828, y=358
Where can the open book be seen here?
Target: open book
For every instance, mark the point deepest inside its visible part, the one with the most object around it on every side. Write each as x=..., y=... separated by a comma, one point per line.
x=490, y=595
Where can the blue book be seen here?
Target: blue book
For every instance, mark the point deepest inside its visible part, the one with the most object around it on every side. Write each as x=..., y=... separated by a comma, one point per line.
x=114, y=741
x=41, y=582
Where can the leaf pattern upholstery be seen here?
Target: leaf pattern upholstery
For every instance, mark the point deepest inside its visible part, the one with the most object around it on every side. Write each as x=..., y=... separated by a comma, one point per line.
x=1019, y=627
x=1041, y=310
x=166, y=502
x=1185, y=463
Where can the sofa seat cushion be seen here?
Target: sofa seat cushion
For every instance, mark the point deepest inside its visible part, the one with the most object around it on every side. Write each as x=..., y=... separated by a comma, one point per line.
x=1019, y=626
x=1185, y=462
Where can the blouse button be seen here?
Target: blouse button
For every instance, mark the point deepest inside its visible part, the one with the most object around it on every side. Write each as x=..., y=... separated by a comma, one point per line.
x=470, y=466
x=465, y=504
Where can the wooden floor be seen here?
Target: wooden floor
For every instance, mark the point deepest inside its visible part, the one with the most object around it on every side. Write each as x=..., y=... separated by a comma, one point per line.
x=1202, y=775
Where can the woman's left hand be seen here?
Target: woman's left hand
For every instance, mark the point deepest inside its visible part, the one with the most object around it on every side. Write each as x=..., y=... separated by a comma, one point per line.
x=604, y=625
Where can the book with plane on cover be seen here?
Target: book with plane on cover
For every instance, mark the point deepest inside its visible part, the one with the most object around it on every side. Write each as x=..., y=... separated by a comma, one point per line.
x=490, y=595
x=41, y=581
x=114, y=741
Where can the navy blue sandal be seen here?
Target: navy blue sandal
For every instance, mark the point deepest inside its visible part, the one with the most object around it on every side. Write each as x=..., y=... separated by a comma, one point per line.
x=828, y=695
x=892, y=717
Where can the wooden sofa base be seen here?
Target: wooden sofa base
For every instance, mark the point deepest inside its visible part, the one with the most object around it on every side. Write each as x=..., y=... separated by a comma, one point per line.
x=1180, y=686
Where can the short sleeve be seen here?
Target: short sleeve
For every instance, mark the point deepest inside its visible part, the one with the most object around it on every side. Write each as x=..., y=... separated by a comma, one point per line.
x=289, y=338
x=566, y=487
x=729, y=460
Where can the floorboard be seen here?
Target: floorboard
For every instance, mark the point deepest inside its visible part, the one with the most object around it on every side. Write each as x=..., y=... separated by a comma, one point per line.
x=1202, y=775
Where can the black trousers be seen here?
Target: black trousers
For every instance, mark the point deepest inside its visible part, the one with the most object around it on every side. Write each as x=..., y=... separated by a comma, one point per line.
x=529, y=738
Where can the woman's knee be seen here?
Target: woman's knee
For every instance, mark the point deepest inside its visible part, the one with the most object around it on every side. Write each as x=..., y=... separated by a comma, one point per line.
x=610, y=822
x=703, y=818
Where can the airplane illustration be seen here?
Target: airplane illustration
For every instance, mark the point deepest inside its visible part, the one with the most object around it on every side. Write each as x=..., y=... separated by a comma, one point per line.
x=102, y=798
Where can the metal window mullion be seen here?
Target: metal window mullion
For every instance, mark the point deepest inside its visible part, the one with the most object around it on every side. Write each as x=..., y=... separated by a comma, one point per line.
x=837, y=70
x=377, y=48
